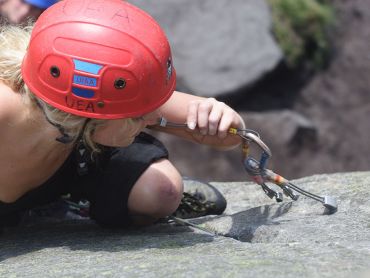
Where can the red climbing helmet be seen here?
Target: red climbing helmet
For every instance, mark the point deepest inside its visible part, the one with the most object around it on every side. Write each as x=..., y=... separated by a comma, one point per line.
x=104, y=59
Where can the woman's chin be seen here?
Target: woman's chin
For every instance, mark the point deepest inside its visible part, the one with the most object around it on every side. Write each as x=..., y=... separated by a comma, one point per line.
x=128, y=141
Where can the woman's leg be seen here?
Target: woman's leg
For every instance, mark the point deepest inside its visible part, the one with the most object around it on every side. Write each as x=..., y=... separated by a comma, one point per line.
x=156, y=194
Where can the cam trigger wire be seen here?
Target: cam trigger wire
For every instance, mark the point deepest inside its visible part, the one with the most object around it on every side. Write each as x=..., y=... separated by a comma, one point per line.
x=183, y=222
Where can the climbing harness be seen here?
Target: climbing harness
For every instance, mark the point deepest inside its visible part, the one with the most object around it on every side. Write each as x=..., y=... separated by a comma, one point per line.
x=258, y=172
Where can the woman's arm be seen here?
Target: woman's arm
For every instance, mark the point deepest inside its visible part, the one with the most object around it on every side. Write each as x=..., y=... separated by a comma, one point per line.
x=207, y=119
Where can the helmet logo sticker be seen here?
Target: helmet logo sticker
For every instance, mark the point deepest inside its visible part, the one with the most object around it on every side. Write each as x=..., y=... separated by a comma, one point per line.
x=86, y=66
x=79, y=79
x=83, y=92
x=84, y=80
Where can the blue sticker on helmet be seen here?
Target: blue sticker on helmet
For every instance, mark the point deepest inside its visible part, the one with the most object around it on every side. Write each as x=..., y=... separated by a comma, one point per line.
x=84, y=80
x=83, y=92
x=86, y=66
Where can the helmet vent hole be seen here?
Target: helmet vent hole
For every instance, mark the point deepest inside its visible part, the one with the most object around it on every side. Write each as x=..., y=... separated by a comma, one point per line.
x=54, y=71
x=120, y=83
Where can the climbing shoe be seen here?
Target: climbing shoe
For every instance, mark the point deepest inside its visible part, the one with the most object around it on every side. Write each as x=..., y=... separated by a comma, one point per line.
x=200, y=199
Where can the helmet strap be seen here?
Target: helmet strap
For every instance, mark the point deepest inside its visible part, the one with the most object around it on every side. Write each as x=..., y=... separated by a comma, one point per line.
x=65, y=138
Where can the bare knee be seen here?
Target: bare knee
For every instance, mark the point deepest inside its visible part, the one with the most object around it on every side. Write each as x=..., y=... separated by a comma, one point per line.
x=157, y=193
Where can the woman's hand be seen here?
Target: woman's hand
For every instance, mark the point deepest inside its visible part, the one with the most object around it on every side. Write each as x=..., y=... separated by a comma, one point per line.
x=207, y=119
x=212, y=117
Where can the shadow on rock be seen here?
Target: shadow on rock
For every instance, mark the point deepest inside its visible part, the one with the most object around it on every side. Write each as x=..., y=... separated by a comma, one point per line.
x=87, y=236
x=245, y=224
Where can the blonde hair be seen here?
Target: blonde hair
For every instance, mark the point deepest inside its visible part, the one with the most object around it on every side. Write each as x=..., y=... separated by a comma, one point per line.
x=13, y=46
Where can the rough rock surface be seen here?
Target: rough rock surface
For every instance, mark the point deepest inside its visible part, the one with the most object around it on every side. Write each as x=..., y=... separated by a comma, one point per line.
x=218, y=46
x=257, y=238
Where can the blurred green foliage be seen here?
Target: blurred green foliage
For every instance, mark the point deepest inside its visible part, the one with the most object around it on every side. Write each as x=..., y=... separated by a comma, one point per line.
x=301, y=29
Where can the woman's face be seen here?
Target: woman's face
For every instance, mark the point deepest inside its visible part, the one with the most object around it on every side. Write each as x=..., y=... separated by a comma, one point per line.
x=122, y=132
x=18, y=11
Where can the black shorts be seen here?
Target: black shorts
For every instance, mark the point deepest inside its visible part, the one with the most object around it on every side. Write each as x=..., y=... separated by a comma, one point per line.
x=106, y=184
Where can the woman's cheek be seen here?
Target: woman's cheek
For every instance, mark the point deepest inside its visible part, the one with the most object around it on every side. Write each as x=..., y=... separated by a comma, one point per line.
x=117, y=135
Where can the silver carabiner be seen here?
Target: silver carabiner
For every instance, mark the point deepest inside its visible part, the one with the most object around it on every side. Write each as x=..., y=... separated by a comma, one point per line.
x=257, y=139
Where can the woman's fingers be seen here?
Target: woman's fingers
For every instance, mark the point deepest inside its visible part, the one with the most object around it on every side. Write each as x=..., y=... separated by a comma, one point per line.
x=212, y=117
x=228, y=120
x=204, y=110
x=215, y=117
x=192, y=118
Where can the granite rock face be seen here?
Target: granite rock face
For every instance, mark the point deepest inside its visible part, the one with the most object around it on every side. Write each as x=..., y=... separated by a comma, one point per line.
x=257, y=238
x=218, y=46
